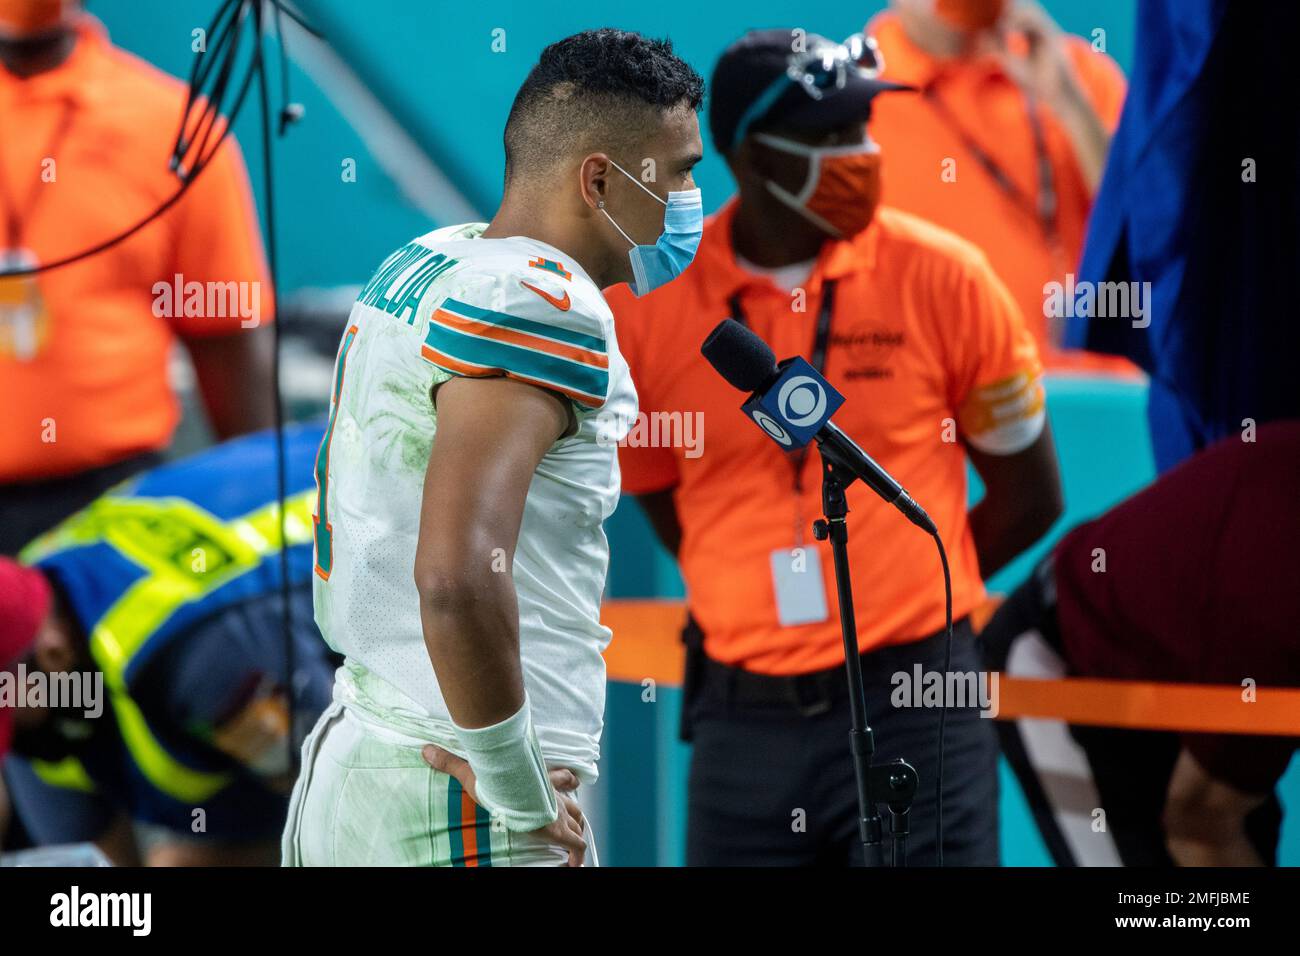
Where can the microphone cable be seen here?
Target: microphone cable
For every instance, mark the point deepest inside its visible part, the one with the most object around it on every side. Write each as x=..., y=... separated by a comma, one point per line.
x=943, y=697
x=199, y=115
x=234, y=14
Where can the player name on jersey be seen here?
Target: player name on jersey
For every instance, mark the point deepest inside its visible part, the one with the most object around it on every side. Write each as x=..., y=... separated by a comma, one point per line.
x=401, y=282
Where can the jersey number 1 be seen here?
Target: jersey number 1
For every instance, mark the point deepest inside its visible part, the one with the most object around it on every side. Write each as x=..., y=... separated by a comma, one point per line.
x=323, y=534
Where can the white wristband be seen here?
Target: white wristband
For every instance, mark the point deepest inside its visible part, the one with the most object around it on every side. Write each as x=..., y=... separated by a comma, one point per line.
x=510, y=776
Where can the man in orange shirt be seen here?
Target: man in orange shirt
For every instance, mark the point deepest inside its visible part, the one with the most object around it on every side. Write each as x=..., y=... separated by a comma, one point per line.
x=1007, y=144
x=85, y=139
x=911, y=325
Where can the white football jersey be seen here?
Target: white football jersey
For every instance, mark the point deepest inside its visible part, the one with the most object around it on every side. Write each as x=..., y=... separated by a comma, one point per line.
x=451, y=303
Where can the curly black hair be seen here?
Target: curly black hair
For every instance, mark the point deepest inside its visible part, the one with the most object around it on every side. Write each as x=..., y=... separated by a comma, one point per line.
x=599, y=89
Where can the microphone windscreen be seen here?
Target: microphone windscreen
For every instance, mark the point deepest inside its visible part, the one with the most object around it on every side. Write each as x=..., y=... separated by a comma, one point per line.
x=740, y=356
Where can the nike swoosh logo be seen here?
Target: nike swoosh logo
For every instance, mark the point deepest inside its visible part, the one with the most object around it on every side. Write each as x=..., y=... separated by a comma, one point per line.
x=561, y=304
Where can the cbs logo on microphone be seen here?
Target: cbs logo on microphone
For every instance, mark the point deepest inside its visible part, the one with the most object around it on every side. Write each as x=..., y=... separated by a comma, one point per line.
x=795, y=407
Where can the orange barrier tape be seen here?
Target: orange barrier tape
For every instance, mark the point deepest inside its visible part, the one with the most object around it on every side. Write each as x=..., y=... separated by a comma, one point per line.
x=1143, y=705
x=647, y=644
x=647, y=641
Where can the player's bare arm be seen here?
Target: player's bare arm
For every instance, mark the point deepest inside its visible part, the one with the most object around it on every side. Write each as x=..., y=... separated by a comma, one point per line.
x=492, y=433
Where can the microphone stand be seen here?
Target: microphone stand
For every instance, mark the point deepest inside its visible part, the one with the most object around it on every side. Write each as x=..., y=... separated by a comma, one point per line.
x=893, y=783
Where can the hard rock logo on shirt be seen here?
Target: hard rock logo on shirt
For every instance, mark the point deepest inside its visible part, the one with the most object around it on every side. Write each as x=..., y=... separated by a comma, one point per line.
x=24, y=316
x=869, y=349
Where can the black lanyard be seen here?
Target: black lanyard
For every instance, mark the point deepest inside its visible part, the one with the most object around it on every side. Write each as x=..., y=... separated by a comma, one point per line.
x=13, y=235
x=821, y=340
x=1044, y=209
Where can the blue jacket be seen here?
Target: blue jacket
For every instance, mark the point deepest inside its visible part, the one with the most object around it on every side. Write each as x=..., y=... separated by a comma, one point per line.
x=1212, y=105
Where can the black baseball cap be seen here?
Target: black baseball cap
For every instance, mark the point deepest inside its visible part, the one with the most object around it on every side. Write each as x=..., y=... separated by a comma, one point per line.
x=751, y=87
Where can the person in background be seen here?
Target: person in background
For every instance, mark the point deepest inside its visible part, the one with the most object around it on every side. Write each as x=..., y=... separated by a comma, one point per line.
x=907, y=321
x=160, y=605
x=1007, y=144
x=1199, y=206
x=13, y=645
x=85, y=139
x=1192, y=580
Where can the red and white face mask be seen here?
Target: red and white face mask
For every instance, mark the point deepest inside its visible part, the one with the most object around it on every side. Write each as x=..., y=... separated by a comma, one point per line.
x=28, y=18
x=842, y=189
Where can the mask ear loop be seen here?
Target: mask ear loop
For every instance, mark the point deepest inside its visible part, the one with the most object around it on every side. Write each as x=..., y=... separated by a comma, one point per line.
x=797, y=149
x=649, y=192
x=814, y=177
x=601, y=204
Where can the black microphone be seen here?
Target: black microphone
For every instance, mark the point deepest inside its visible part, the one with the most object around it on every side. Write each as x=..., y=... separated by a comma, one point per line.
x=793, y=403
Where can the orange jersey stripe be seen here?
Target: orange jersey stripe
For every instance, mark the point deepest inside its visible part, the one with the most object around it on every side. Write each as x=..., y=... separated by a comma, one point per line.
x=457, y=366
x=510, y=336
x=469, y=828
x=478, y=371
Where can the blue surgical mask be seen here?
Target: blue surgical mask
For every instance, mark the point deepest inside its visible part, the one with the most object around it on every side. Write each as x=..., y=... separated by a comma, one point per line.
x=653, y=266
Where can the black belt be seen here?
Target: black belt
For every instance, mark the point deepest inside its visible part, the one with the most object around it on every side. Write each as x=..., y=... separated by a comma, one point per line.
x=31, y=507
x=98, y=478
x=816, y=692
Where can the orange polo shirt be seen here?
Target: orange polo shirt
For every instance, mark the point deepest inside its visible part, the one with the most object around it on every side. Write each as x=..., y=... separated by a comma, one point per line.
x=84, y=349
x=979, y=103
x=925, y=344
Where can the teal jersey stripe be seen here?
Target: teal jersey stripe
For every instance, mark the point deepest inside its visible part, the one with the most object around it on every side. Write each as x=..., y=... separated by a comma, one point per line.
x=454, y=829
x=483, y=829
x=568, y=336
x=546, y=368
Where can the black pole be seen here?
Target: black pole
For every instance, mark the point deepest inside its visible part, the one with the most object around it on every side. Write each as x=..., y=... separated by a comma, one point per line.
x=893, y=783
x=861, y=742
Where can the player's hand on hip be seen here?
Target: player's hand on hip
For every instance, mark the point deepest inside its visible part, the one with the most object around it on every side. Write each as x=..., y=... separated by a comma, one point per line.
x=566, y=830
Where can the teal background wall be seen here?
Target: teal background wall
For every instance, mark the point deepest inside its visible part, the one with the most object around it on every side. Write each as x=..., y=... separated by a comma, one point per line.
x=431, y=63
